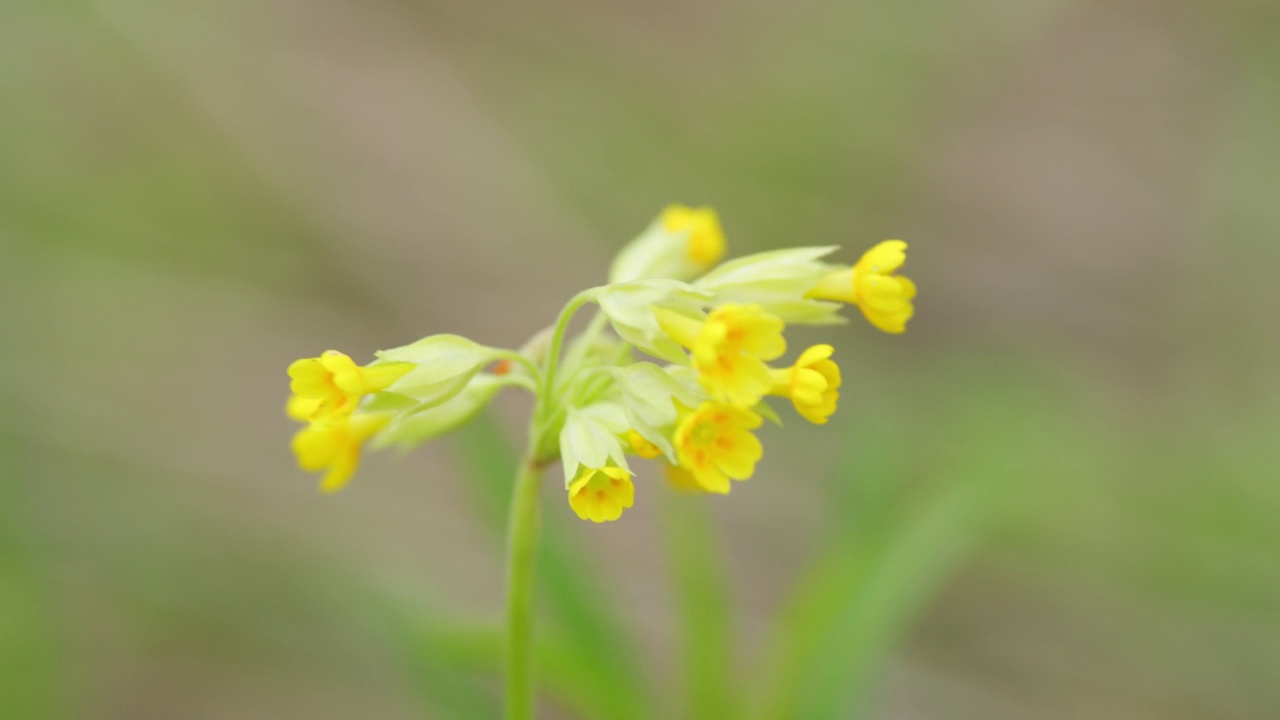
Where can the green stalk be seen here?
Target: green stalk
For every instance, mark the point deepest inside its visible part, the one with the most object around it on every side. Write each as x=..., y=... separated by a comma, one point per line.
x=547, y=392
x=522, y=550
x=523, y=528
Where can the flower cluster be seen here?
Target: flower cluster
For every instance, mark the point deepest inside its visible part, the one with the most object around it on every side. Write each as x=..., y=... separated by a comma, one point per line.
x=712, y=333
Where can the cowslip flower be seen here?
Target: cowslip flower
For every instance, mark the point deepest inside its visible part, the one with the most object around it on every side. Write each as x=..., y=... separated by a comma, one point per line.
x=701, y=227
x=873, y=285
x=333, y=384
x=334, y=445
x=730, y=349
x=601, y=494
x=682, y=243
x=812, y=384
x=715, y=443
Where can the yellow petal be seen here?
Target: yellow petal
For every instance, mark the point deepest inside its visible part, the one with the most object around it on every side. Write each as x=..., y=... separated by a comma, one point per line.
x=884, y=258
x=302, y=408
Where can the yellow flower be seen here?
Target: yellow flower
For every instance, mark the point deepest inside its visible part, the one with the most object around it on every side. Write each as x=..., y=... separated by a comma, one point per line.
x=812, y=384
x=884, y=298
x=715, y=443
x=334, y=384
x=642, y=447
x=730, y=349
x=706, y=238
x=601, y=494
x=301, y=408
x=333, y=444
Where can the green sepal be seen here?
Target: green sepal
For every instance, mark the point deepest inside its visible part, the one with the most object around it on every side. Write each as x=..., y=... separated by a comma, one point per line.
x=777, y=281
x=766, y=411
x=629, y=307
x=389, y=402
x=414, y=427
x=445, y=365
x=649, y=395
x=590, y=438
x=655, y=253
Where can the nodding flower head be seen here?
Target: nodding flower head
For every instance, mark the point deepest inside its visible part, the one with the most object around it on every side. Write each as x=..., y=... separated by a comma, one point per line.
x=334, y=445
x=883, y=296
x=601, y=494
x=706, y=244
x=715, y=443
x=710, y=330
x=812, y=384
x=729, y=350
x=333, y=384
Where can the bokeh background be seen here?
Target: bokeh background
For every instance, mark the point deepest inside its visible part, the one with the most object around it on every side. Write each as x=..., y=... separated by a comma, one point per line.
x=1057, y=496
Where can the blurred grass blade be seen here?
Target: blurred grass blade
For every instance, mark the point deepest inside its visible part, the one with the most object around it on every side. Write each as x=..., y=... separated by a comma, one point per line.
x=859, y=601
x=439, y=656
x=29, y=658
x=703, y=607
x=453, y=651
x=594, y=640
x=856, y=604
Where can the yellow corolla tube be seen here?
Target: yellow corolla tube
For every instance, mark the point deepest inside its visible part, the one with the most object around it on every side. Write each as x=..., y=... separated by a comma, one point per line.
x=601, y=494
x=884, y=297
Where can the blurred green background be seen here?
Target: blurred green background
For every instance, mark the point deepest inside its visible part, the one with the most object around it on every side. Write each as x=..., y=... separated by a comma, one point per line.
x=1057, y=496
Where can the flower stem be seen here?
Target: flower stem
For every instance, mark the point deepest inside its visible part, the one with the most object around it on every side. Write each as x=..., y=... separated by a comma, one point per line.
x=522, y=546
x=547, y=393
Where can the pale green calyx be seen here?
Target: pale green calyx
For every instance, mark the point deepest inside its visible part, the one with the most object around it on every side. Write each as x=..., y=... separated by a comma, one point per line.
x=649, y=395
x=416, y=424
x=777, y=281
x=681, y=244
x=445, y=364
x=629, y=307
x=590, y=438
